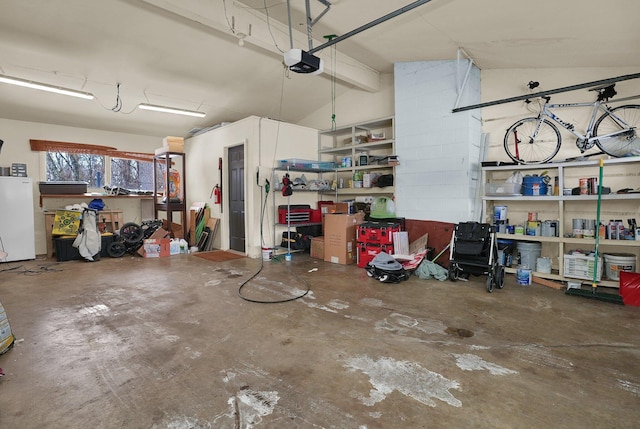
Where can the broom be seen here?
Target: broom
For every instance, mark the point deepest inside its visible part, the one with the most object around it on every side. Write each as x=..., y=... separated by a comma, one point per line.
x=616, y=299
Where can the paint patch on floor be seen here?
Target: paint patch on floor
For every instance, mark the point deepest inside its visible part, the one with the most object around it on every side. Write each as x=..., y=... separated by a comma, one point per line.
x=402, y=325
x=469, y=362
x=539, y=356
x=262, y=403
x=409, y=378
x=246, y=409
x=338, y=304
x=185, y=423
x=372, y=302
x=633, y=388
x=95, y=310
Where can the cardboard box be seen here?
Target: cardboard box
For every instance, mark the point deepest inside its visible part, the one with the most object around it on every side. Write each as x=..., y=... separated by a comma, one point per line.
x=317, y=247
x=158, y=234
x=173, y=144
x=338, y=208
x=340, y=237
x=156, y=247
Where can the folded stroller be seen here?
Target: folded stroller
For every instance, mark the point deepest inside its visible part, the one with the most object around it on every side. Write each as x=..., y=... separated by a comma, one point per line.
x=474, y=251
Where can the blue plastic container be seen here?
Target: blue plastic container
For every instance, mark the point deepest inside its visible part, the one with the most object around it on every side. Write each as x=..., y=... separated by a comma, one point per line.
x=534, y=185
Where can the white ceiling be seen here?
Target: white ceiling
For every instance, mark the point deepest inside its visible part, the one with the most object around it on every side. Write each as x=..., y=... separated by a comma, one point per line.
x=185, y=53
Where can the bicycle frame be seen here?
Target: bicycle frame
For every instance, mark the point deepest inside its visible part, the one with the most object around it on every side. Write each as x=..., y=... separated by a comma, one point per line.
x=588, y=137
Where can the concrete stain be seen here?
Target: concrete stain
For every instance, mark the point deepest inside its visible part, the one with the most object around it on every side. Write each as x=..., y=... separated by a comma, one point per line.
x=537, y=355
x=387, y=375
x=459, y=332
x=402, y=325
x=186, y=423
x=338, y=304
x=469, y=362
x=95, y=310
x=633, y=388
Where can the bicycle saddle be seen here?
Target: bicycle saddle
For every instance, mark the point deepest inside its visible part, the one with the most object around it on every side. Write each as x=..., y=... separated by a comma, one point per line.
x=605, y=92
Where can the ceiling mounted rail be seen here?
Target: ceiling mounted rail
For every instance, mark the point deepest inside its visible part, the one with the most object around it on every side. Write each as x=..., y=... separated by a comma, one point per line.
x=369, y=25
x=549, y=92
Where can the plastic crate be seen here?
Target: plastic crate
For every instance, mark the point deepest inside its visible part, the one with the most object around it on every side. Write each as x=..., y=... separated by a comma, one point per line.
x=581, y=266
x=367, y=251
x=503, y=188
x=377, y=232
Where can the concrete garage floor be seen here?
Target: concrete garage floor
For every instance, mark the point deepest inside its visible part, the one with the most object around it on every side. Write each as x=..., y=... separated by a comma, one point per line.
x=167, y=343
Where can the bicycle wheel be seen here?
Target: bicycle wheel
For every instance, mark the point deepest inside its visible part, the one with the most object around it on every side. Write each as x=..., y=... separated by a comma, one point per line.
x=131, y=232
x=524, y=149
x=626, y=143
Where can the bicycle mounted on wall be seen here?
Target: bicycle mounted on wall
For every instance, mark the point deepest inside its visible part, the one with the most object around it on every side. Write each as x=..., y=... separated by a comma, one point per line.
x=537, y=140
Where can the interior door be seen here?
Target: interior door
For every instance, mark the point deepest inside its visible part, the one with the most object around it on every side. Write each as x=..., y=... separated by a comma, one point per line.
x=236, y=198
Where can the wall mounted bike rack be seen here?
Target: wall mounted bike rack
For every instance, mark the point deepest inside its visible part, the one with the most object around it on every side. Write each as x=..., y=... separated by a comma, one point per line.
x=554, y=91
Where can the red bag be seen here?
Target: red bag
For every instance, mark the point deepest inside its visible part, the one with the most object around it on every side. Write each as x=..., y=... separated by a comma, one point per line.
x=630, y=288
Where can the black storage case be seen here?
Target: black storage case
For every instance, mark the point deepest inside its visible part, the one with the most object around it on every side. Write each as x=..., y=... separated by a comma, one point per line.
x=66, y=252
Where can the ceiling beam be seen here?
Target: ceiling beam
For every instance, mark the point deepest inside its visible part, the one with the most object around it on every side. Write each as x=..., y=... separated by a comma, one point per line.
x=263, y=32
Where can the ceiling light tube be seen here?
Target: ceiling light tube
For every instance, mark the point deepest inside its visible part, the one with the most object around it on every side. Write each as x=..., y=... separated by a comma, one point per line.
x=173, y=110
x=44, y=87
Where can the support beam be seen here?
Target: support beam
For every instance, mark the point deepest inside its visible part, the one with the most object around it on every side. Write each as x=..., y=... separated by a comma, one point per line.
x=263, y=33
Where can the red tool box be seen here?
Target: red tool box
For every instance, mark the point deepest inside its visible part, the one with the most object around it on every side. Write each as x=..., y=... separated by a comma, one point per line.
x=297, y=213
x=368, y=251
x=380, y=233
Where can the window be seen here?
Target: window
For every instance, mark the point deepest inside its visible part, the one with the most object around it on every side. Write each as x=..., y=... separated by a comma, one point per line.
x=96, y=165
x=63, y=166
x=132, y=174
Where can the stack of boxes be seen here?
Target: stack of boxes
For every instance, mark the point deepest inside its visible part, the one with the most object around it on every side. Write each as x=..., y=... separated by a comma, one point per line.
x=171, y=144
x=373, y=238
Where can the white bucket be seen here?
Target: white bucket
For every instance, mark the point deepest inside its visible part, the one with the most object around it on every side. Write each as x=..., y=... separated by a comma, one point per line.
x=616, y=262
x=543, y=265
x=523, y=276
x=267, y=254
x=528, y=253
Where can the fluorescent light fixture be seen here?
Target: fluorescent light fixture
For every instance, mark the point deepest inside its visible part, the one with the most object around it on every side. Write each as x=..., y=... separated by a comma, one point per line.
x=44, y=87
x=173, y=110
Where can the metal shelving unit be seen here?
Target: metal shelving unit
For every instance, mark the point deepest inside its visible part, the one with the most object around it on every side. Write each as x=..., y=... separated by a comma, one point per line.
x=288, y=225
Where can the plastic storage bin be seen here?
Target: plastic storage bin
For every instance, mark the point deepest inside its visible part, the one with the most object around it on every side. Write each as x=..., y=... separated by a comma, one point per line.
x=581, y=266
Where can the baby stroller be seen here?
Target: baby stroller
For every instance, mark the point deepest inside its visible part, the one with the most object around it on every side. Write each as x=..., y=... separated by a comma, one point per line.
x=474, y=250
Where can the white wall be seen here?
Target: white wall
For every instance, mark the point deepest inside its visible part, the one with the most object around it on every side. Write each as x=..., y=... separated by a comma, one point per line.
x=16, y=149
x=354, y=105
x=438, y=149
x=266, y=142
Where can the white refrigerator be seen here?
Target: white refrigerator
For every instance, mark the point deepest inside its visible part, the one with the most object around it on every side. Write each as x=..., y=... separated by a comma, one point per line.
x=17, y=229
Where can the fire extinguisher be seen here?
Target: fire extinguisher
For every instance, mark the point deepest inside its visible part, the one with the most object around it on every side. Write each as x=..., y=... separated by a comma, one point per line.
x=217, y=195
